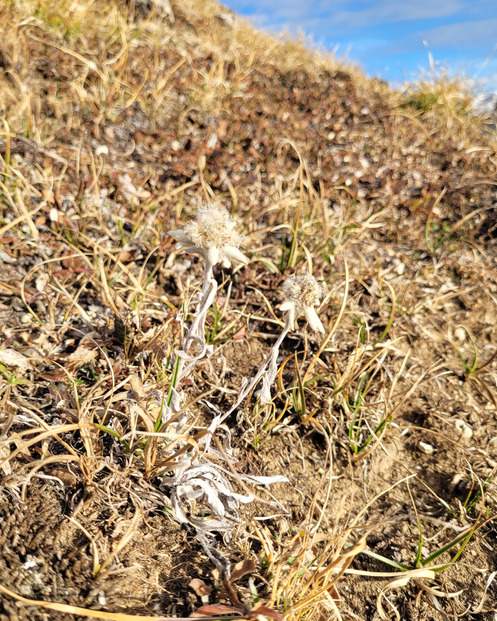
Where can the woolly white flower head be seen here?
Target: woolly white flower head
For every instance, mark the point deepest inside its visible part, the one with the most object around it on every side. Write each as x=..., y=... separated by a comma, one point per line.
x=212, y=234
x=302, y=294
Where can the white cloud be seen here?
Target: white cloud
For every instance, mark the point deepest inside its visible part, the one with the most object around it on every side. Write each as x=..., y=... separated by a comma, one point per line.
x=344, y=14
x=469, y=38
x=481, y=33
x=381, y=32
x=393, y=11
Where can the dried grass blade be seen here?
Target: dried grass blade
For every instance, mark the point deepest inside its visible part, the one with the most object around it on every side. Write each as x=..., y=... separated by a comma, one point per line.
x=99, y=614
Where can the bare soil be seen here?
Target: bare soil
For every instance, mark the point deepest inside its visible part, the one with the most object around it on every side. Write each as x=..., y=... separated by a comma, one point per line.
x=404, y=202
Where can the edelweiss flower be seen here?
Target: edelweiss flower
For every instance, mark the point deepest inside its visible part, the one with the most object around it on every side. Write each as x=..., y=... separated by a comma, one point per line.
x=212, y=235
x=302, y=294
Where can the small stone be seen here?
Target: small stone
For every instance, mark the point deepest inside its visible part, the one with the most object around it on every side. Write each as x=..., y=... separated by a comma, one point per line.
x=41, y=282
x=6, y=258
x=53, y=215
x=426, y=448
x=456, y=479
x=30, y=563
x=212, y=141
x=460, y=334
x=13, y=358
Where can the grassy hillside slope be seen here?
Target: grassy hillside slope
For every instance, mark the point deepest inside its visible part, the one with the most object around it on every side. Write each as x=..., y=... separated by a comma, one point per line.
x=117, y=120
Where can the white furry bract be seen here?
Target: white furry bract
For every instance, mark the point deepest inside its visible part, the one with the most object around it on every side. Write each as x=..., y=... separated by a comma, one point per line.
x=302, y=294
x=212, y=235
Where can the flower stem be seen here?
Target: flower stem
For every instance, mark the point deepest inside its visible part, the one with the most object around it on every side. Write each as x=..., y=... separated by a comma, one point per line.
x=247, y=389
x=196, y=332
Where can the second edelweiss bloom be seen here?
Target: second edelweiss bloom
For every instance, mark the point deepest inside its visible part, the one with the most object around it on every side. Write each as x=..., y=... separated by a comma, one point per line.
x=302, y=294
x=212, y=235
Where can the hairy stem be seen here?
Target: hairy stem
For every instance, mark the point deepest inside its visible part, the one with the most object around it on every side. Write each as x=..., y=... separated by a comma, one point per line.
x=195, y=333
x=266, y=371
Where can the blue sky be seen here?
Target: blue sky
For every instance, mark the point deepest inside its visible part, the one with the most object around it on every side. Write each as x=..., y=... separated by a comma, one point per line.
x=391, y=38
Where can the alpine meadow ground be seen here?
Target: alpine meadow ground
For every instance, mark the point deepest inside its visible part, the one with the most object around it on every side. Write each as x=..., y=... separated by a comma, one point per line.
x=248, y=357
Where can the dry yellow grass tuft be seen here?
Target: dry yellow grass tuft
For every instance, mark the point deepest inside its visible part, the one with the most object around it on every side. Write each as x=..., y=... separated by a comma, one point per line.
x=120, y=118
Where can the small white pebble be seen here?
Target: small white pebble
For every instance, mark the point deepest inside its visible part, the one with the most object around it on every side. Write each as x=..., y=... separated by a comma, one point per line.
x=41, y=282
x=426, y=448
x=102, y=149
x=460, y=334
x=6, y=258
x=53, y=215
x=212, y=142
x=30, y=562
x=456, y=479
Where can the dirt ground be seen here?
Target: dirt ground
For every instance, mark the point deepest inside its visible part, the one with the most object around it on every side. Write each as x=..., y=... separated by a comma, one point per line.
x=118, y=121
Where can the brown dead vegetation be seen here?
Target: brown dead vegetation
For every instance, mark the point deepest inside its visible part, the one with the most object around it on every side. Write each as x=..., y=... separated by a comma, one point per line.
x=118, y=118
